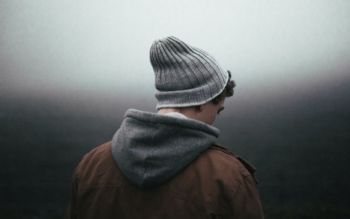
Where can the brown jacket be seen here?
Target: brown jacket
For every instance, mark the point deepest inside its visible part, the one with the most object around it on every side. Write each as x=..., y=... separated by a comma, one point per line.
x=215, y=185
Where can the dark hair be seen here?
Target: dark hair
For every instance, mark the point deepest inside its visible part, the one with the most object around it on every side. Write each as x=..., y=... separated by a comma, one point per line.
x=227, y=92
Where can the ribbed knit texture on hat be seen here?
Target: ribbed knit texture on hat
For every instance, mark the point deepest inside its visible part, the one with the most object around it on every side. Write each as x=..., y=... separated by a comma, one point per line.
x=185, y=75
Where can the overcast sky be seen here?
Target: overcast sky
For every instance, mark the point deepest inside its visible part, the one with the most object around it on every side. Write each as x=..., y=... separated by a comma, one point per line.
x=93, y=47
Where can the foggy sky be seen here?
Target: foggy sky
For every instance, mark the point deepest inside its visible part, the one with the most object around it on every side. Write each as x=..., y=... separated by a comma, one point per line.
x=67, y=48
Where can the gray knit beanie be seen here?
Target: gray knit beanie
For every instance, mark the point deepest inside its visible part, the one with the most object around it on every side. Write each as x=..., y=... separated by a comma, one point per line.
x=185, y=75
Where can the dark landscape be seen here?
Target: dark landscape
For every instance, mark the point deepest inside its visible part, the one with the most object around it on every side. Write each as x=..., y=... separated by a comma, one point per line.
x=298, y=142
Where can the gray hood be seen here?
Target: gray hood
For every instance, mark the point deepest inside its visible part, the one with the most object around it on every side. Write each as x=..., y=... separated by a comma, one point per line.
x=151, y=148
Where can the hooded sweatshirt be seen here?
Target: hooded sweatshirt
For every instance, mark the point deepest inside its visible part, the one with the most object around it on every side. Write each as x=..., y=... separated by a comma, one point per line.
x=163, y=166
x=151, y=148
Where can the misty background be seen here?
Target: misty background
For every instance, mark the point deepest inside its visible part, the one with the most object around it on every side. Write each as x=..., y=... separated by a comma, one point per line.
x=70, y=69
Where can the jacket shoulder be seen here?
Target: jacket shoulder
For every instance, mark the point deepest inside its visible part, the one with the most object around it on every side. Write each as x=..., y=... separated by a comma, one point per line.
x=222, y=149
x=97, y=152
x=251, y=169
x=97, y=159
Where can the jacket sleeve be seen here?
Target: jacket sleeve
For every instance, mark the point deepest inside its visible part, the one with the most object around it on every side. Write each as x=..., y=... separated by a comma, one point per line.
x=245, y=201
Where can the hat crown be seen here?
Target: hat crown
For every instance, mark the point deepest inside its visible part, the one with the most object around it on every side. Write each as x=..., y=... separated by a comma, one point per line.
x=184, y=75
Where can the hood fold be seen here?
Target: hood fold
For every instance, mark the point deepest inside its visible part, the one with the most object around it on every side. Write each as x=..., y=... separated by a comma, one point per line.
x=151, y=148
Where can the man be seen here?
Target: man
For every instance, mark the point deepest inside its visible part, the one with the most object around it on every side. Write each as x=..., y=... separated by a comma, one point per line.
x=167, y=164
